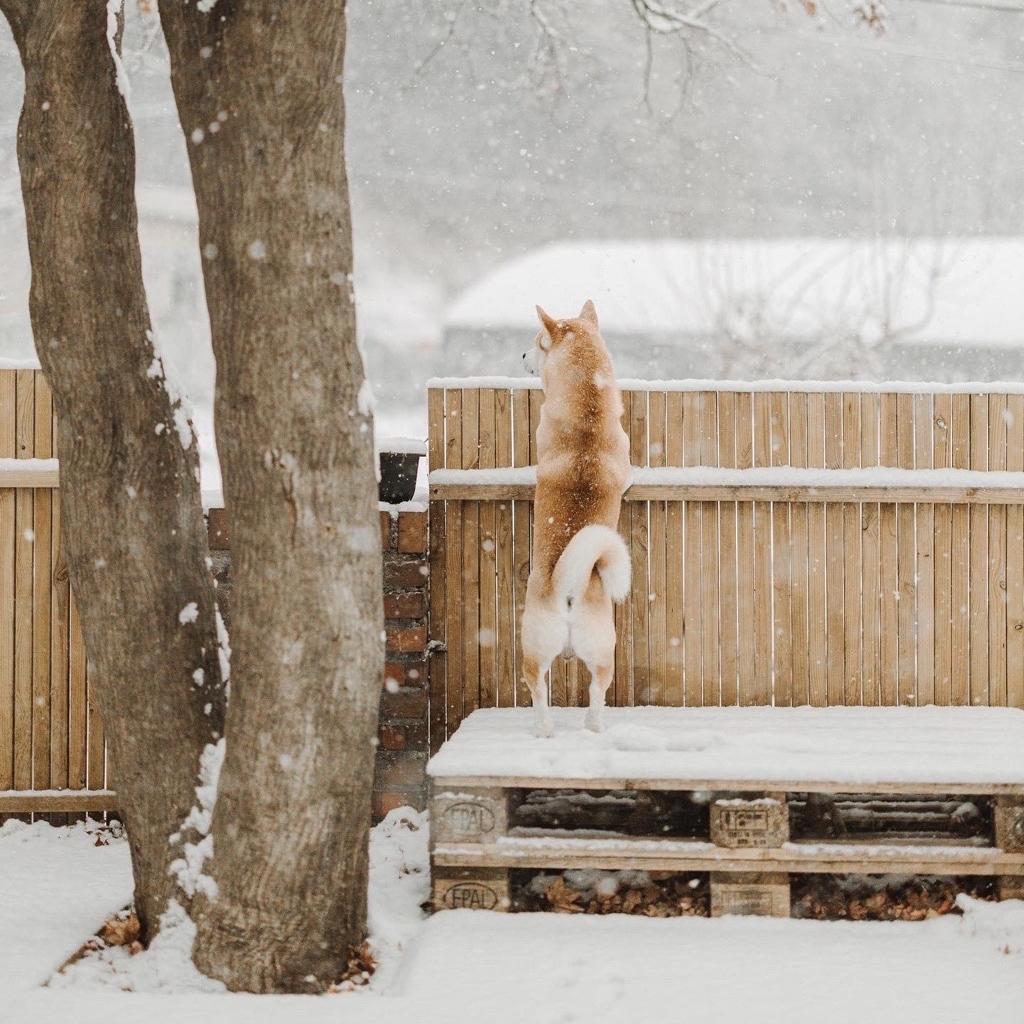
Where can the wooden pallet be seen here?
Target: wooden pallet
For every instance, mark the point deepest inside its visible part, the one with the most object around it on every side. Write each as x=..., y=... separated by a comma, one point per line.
x=748, y=852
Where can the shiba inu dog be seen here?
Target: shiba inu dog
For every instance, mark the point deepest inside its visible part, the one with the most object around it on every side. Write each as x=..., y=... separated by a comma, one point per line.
x=580, y=563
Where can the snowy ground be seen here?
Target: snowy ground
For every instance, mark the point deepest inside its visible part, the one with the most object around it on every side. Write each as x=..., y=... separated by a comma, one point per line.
x=57, y=886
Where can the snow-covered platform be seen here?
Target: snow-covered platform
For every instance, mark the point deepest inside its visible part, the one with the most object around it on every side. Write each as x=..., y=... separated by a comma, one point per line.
x=839, y=749
x=744, y=776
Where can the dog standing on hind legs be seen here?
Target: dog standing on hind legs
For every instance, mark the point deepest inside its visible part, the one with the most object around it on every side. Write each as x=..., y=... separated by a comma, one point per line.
x=580, y=563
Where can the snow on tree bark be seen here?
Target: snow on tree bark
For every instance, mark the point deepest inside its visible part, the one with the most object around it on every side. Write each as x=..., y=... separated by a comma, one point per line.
x=258, y=90
x=133, y=526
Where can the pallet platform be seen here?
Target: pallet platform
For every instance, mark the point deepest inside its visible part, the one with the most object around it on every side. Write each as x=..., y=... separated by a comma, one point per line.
x=742, y=773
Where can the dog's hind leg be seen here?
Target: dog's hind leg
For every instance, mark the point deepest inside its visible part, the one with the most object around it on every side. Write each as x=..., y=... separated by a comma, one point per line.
x=600, y=680
x=535, y=674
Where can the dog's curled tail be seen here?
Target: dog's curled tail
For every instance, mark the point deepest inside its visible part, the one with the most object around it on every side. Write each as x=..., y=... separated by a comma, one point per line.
x=594, y=547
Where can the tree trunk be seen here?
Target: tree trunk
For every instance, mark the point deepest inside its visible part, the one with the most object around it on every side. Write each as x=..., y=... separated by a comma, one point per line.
x=259, y=97
x=134, y=534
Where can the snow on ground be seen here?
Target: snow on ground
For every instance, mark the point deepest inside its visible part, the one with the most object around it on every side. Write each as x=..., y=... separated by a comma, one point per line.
x=861, y=745
x=56, y=887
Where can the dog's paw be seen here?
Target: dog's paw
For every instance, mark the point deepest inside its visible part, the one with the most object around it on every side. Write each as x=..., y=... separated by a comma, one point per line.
x=544, y=728
x=593, y=721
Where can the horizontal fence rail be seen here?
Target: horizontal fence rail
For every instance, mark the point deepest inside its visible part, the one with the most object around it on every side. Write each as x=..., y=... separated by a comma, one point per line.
x=818, y=544
x=52, y=751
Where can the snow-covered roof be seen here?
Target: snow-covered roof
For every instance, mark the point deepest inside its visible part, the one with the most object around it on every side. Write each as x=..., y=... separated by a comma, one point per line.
x=953, y=290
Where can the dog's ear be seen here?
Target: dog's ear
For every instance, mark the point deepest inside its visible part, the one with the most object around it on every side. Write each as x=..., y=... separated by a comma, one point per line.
x=550, y=328
x=589, y=314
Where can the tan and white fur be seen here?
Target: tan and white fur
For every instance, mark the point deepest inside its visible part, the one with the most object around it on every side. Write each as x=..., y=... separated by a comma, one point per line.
x=580, y=563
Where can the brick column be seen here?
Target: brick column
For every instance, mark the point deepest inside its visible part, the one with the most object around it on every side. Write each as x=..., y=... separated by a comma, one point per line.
x=402, y=750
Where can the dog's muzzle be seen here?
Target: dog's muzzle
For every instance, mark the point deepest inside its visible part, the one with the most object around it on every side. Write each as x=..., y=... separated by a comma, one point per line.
x=530, y=361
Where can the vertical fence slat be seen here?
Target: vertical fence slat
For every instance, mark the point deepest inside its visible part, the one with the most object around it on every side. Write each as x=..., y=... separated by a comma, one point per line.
x=1015, y=558
x=888, y=575
x=657, y=430
x=470, y=558
x=782, y=560
x=487, y=561
x=852, y=559
x=817, y=641
x=798, y=554
x=623, y=612
x=745, y=554
x=675, y=577
x=41, y=584
x=438, y=517
x=505, y=568
x=906, y=569
x=960, y=570
x=8, y=399
x=729, y=661
x=924, y=446
x=640, y=594
x=942, y=574
x=453, y=565
x=24, y=504
x=979, y=559
x=997, y=522
x=834, y=556
x=762, y=450
x=711, y=693
x=522, y=512
x=693, y=636
x=871, y=666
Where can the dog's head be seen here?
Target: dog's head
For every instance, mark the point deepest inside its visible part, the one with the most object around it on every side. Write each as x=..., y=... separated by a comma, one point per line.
x=556, y=333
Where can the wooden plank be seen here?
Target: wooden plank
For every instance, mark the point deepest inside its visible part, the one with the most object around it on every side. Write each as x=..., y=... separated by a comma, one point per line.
x=469, y=682
x=871, y=659
x=799, y=661
x=505, y=567
x=437, y=519
x=487, y=635
x=782, y=559
x=817, y=640
x=8, y=401
x=693, y=533
x=739, y=783
x=924, y=446
x=906, y=559
x=762, y=447
x=852, y=560
x=979, y=560
x=942, y=578
x=835, y=589
x=888, y=623
x=679, y=855
x=78, y=699
x=623, y=686
x=24, y=518
x=960, y=458
x=1015, y=559
x=453, y=567
x=466, y=489
x=675, y=575
x=29, y=476
x=998, y=416
x=657, y=692
x=521, y=514
x=640, y=599
x=29, y=802
x=710, y=565
x=728, y=596
x=41, y=587
x=60, y=595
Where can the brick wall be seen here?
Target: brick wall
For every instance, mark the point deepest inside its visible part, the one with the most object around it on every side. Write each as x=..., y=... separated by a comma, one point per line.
x=402, y=750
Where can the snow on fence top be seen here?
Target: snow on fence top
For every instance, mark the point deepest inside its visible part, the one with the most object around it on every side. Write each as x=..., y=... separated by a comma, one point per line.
x=898, y=387
x=951, y=749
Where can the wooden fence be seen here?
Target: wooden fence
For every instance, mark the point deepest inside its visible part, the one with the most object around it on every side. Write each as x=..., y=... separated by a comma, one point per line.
x=52, y=755
x=906, y=588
